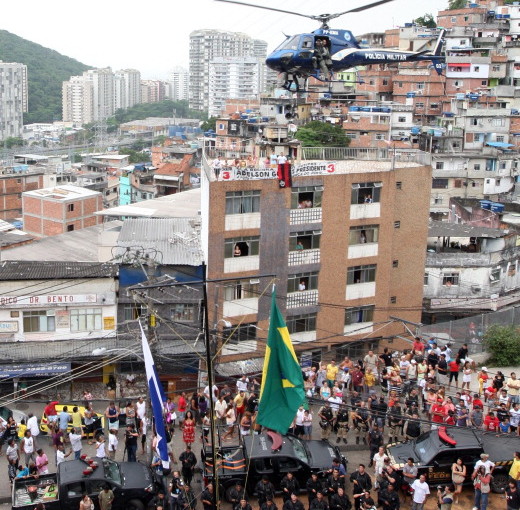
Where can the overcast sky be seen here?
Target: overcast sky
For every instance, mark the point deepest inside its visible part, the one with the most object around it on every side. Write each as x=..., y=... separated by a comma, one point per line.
x=154, y=37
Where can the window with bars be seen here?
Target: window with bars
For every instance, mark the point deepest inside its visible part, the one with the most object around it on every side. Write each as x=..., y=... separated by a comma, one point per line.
x=183, y=312
x=240, y=289
x=134, y=311
x=301, y=323
x=243, y=333
x=241, y=202
x=361, y=274
x=86, y=319
x=364, y=234
x=241, y=246
x=449, y=279
x=306, y=240
x=302, y=281
x=306, y=197
x=359, y=314
x=35, y=321
x=366, y=192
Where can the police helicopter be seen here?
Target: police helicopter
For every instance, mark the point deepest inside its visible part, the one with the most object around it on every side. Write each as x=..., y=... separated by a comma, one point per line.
x=325, y=51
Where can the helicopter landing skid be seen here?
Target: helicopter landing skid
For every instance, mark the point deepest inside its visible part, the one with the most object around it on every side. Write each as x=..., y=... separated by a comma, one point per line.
x=292, y=82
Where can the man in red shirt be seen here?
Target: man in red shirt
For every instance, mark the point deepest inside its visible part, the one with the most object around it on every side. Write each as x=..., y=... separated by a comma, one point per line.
x=438, y=412
x=491, y=422
x=50, y=411
x=477, y=401
x=182, y=405
x=417, y=345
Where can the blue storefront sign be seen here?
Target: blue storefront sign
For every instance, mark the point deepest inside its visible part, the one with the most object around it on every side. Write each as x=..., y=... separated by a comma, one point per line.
x=34, y=369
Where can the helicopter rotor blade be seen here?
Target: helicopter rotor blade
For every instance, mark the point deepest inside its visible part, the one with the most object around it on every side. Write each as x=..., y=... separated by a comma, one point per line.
x=356, y=9
x=269, y=8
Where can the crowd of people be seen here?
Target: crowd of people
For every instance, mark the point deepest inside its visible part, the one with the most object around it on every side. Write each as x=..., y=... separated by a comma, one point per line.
x=379, y=399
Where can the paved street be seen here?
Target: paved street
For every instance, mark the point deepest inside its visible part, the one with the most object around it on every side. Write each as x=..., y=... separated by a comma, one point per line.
x=354, y=458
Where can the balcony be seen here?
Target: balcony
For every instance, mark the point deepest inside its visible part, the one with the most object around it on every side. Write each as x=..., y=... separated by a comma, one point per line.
x=239, y=307
x=302, y=257
x=302, y=298
x=309, y=215
x=242, y=221
x=242, y=264
x=361, y=290
x=303, y=336
x=358, y=251
x=459, y=258
x=362, y=211
x=358, y=328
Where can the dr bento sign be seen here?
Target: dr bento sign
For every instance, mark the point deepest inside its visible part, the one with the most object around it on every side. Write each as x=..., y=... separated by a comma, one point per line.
x=249, y=173
x=47, y=300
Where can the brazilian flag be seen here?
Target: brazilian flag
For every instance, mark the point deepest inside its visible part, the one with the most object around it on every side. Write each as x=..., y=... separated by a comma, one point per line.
x=282, y=390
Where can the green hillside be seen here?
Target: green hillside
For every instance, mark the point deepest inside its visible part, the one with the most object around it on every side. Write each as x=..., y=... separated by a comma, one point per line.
x=46, y=70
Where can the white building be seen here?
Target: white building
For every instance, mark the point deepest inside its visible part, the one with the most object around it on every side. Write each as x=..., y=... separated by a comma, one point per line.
x=206, y=45
x=103, y=92
x=13, y=98
x=179, y=84
x=234, y=78
x=127, y=88
x=51, y=301
x=77, y=100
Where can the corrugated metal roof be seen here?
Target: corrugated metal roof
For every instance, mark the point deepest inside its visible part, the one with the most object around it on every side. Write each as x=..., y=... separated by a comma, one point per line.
x=244, y=367
x=445, y=229
x=185, y=204
x=79, y=245
x=25, y=270
x=169, y=241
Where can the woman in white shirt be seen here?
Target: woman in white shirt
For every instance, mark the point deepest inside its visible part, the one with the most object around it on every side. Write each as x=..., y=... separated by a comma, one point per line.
x=466, y=375
x=100, y=447
x=230, y=421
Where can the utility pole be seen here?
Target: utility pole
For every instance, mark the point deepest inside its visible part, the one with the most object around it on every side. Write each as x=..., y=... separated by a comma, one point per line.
x=211, y=381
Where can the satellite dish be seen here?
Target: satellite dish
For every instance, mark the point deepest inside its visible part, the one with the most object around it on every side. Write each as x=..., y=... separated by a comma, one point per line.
x=292, y=128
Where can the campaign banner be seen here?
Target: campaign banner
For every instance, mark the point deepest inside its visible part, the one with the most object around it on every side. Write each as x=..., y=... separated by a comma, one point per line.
x=249, y=173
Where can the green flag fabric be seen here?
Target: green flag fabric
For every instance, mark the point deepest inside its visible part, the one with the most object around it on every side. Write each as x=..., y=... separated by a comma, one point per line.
x=282, y=390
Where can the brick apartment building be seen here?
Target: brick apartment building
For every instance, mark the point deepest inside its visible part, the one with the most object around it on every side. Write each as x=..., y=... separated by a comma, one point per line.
x=337, y=243
x=52, y=211
x=11, y=188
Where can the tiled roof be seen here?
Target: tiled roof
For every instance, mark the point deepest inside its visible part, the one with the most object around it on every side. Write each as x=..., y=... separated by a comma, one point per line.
x=25, y=270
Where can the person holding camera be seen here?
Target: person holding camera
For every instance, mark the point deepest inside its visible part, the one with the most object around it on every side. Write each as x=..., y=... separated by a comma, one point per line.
x=445, y=497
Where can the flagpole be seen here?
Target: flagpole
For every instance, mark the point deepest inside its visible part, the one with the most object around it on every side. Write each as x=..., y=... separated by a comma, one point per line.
x=211, y=383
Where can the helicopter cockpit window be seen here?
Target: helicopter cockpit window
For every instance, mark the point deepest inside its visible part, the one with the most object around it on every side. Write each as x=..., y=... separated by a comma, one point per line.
x=307, y=42
x=290, y=44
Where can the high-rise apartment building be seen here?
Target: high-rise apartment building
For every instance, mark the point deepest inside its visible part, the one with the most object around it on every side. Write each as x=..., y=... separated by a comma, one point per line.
x=13, y=98
x=77, y=100
x=179, y=84
x=336, y=241
x=206, y=45
x=103, y=92
x=89, y=97
x=127, y=88
x=152, y=91
x=234, y=78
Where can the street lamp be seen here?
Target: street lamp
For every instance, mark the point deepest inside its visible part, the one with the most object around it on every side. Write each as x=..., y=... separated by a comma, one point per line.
x=101, y=351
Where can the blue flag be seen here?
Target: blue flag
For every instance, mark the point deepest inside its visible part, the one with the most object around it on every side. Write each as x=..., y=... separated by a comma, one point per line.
x=156, y=398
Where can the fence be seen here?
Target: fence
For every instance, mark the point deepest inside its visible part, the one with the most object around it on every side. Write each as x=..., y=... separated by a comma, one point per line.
x=471, y=330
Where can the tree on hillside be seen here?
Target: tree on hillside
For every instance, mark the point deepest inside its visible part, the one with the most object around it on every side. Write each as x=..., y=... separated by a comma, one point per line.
x=165, y=109
x=322, y=134
x=457, y=4
x=426, y=21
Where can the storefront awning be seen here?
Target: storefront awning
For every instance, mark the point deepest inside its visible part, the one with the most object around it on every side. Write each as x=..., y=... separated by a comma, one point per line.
x=34, y=369
x=499, y=145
